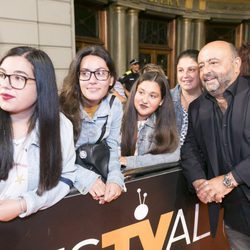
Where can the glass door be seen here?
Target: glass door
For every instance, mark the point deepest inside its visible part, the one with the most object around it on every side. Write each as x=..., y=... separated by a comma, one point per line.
x=156, y=56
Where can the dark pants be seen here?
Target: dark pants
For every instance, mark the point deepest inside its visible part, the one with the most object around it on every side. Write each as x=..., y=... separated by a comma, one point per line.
x=237, y=240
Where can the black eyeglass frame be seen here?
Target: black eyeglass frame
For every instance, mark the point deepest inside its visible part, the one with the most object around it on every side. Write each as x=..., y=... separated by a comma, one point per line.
x=94, y=72
x=10, y=75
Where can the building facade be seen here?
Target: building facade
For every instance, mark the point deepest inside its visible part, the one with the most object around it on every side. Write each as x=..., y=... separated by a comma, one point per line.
x=45, y=24
x=152, y=30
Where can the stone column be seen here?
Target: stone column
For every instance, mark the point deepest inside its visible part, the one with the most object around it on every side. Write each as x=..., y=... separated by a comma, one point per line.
x=133, y=34
x=186, y=41
x=246, y=31
x=199, y=33
x=178, y=36
x=119, y=48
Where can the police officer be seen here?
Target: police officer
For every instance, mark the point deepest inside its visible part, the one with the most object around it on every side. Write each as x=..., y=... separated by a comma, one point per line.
x=130, y=76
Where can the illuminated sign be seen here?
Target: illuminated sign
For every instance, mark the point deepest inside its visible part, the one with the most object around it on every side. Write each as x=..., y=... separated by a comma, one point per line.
x=166, y=2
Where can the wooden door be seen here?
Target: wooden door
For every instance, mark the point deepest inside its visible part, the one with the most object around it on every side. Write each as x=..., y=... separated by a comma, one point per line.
x=160, y=57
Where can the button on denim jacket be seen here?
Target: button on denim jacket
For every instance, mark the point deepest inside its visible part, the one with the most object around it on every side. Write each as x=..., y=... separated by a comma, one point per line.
x=91, y=131
x=145, y=143
x=48, y=198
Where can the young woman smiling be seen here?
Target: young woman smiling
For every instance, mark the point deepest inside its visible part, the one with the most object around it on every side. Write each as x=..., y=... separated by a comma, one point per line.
x=85, y=101
x=188, y=88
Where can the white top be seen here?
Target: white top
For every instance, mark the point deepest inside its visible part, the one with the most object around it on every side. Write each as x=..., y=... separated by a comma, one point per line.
x=184, y=127
x=17, y=181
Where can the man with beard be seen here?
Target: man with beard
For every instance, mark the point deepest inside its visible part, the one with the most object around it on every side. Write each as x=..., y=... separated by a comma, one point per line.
x=216, y=153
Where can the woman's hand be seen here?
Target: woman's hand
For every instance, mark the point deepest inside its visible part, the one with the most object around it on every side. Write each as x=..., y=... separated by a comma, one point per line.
x=123, y=161
x=112, y=192
x=97, y=190
x=10, y=209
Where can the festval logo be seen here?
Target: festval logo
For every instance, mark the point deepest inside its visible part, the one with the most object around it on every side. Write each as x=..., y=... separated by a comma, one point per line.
x=141, y=211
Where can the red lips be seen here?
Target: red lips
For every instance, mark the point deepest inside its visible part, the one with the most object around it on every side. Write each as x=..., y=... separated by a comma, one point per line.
x=7, y=97
x=143, y=106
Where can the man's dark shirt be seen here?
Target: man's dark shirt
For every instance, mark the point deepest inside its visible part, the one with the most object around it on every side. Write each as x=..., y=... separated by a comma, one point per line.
x=236, y=205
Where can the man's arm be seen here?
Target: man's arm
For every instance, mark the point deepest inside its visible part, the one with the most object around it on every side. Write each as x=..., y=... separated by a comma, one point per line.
x=192, y=161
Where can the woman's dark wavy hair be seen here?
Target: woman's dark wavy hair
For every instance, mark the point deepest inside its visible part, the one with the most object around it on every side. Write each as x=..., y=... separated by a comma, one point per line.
x=165, y=135
x=71, y=95
x=244, y=54
x=46, y=113
x=191, y=53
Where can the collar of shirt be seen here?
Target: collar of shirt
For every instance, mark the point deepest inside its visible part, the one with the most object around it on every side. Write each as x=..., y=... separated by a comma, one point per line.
x=230, y=91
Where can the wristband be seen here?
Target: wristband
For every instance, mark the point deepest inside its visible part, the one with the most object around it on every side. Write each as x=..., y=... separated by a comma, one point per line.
x=21, y=205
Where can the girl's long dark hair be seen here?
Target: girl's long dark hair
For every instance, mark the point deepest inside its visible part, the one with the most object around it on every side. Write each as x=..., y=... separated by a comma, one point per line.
x=46, y=113
x=71, y=95
x=165, y=135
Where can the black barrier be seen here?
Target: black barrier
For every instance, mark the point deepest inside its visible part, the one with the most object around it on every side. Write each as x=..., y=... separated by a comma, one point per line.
x=157, y=212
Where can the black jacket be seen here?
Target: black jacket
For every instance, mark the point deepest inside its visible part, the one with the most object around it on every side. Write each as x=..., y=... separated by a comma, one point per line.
x=198, y=154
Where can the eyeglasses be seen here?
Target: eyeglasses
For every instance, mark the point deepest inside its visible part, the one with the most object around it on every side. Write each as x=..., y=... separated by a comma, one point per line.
x=101, y=75
x=16, y=81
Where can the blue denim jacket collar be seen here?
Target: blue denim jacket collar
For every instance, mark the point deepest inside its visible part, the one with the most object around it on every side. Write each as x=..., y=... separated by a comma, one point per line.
x=151, y=121
x=35, y=135
x=145, y=136
x=176, y=93
x=176, y=97
x=102, y=111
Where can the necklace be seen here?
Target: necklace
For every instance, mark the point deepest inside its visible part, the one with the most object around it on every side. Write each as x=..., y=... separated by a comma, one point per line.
x=17, y=181
x=20, y=159
x=187, y=99
x=184, y=102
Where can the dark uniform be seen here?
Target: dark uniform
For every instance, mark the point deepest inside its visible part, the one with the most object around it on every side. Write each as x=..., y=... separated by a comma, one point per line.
x=128, y=79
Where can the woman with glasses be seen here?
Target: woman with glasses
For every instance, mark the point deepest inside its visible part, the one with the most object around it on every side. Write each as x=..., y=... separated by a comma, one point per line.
x=36, y=162
x=85, y=100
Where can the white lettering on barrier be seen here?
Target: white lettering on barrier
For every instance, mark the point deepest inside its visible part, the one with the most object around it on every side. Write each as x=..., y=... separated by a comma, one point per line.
x=85, y=243
x=196, y=220
x=179, y=216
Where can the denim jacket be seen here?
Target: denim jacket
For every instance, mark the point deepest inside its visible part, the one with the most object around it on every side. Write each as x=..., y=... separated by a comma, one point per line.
x=90, y=133
x=176, y=97
x=48, y=198
x=145, y=143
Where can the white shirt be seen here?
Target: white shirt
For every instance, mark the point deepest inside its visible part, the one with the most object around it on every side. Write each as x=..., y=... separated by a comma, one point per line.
x=17, y=181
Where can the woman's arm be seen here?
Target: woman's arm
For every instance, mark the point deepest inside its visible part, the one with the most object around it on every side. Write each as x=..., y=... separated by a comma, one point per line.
x=120, y=97
x=85, y=179
x=115, y=182
x=139, y=161
x=11, y=208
